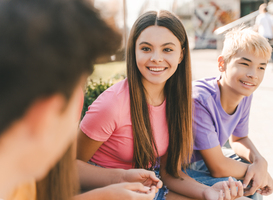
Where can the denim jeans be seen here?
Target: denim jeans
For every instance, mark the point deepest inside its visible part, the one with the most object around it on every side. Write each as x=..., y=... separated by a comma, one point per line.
x=199, y=171
x=162, y=192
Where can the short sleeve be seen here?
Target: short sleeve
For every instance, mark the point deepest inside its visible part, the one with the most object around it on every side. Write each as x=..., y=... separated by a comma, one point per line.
x=101, y=118
x=271, y=19
x=257, y=20
x=205, y=136
x=241, y=129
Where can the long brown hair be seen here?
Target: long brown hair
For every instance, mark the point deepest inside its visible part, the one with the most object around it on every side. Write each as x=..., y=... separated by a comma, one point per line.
x=178, y=99
x=61, y=183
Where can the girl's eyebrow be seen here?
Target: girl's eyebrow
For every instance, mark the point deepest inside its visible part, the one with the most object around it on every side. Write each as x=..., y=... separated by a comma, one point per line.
x=168, y=43
x=165, y=44
x=145, y=43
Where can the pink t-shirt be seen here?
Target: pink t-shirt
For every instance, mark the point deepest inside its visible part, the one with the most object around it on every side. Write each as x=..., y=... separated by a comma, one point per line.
x=108, y=119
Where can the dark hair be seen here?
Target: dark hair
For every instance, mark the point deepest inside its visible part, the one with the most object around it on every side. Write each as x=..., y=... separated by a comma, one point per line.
x=178, y=99
x=46, y=46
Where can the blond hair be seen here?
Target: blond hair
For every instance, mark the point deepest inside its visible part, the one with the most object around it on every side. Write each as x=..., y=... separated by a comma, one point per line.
x=263, y=8
x=245, y=39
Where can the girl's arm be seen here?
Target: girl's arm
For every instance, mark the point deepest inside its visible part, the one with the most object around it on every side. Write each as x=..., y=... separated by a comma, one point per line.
x=128, y=191
x=93, y=177
x=186, y=186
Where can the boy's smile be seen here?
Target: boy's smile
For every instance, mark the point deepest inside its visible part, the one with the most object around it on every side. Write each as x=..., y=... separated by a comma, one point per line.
x=243, y=73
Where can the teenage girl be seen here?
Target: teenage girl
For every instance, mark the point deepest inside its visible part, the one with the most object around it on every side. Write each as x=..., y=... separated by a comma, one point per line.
x=145, y=121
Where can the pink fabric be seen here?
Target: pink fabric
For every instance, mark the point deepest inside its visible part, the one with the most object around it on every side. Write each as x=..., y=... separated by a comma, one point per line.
x=108, y=120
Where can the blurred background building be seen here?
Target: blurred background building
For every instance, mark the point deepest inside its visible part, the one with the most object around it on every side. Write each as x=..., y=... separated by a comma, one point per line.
x=200, y=17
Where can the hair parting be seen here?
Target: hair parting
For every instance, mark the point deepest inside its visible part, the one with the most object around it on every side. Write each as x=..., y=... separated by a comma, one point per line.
x=178, y=99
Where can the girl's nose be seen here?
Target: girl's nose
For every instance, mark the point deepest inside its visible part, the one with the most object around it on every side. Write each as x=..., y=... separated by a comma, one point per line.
x=156, y=57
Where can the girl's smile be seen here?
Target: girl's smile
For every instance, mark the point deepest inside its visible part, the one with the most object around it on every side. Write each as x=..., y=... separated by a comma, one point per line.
x=156, y=69
x=157, y=55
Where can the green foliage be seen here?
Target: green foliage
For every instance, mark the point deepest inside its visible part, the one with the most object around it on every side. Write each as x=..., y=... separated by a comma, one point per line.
x=92, y=91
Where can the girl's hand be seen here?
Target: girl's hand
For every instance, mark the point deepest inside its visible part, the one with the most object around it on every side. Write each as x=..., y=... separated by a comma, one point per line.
x=128, y=191
x=146, y=177
x=225, y=190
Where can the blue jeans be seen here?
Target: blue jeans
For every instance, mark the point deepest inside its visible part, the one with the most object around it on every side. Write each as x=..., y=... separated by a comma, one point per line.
x=199, y=171
x=162, y=192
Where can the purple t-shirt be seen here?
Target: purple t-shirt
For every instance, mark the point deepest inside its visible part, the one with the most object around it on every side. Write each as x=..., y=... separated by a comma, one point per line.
x=212, y=125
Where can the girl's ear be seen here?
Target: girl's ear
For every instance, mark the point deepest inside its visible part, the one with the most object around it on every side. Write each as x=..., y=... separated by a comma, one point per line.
x=221, y=64
x=181, y=56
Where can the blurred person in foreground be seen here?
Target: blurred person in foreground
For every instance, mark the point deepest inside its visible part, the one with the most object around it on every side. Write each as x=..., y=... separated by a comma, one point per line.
x=47, y=49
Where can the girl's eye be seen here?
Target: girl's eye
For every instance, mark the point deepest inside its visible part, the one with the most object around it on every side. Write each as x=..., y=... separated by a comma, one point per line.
x=145, y=49
x=262, y=68
x=168, y=50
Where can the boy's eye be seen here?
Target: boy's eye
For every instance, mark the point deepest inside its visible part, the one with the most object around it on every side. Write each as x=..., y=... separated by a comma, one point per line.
x=168, y=50
x=244, y=64
x=145, y=49
x=262, y=68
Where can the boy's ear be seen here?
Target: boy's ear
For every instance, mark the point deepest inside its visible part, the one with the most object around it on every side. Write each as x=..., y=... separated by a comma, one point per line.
x=44, y=114
x=221, y=64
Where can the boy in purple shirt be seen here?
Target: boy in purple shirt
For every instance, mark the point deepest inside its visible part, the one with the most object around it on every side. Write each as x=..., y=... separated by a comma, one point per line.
x=221, y=112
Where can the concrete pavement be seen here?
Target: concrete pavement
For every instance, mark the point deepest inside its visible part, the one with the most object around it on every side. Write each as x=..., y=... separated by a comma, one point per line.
x=204, y=64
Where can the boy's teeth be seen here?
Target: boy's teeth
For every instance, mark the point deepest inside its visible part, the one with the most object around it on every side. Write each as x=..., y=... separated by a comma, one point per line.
x=247, y=83
x=156, y=69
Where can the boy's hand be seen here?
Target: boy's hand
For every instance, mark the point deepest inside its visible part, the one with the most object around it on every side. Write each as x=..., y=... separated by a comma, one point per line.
x=256, y=177
x=268, y=189
x=146, y=177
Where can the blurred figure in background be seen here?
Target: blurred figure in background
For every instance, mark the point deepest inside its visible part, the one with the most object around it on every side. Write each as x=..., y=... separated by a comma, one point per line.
x=264, y=22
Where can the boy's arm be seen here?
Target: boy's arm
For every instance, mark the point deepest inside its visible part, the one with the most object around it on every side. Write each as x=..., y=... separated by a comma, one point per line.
x=221, y=166
x=257, y=170
x=206, y=140
x=244, y=148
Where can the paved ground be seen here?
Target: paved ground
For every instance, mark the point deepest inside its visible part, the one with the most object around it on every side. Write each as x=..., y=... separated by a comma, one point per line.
x=204, y=64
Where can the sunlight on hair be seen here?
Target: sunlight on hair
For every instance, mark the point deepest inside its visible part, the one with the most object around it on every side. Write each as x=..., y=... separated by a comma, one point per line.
x=246, y=39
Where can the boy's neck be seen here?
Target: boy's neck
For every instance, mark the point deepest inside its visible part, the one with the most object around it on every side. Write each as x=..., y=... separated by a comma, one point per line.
x=12, y=167
x=229, y=100
x=8, y=181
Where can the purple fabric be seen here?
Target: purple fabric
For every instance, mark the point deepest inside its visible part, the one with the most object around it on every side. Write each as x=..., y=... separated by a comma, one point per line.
x=212, y=125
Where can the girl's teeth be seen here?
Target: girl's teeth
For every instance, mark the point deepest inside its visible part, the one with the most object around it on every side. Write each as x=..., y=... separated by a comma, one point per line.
x=156, y=69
